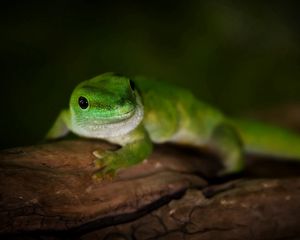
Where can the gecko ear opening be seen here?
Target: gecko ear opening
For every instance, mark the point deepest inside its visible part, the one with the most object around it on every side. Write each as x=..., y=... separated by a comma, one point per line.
x=132, y=85
x=83, y=102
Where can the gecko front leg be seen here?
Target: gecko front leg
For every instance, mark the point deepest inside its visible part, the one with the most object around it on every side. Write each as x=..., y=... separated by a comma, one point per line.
x=135, y=147
x=60, y=127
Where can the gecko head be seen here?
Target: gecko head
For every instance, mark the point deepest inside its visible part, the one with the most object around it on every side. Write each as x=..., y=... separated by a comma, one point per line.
x=105, y=106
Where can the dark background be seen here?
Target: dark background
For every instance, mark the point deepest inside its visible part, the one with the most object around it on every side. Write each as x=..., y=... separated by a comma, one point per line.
x=239, y=56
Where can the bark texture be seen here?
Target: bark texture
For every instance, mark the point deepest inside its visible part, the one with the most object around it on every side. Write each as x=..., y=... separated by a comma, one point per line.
x=47, y=192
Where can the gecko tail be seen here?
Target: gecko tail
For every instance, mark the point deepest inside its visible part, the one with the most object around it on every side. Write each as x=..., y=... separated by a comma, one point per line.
x=265, y=139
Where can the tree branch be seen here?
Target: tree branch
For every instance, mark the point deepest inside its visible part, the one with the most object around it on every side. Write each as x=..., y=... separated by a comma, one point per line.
x=47, y=191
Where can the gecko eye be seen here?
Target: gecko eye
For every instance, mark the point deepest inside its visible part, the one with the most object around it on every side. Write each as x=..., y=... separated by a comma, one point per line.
x=83, y=102
x=132, y=85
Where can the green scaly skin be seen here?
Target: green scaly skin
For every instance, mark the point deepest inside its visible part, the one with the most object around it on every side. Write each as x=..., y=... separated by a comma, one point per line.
x=137, y=113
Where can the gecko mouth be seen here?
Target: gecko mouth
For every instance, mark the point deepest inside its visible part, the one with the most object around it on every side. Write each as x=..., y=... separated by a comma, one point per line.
x=115, y=119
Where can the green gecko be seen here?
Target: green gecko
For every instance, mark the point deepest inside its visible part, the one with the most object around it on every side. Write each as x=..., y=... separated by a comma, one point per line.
x=137, y=113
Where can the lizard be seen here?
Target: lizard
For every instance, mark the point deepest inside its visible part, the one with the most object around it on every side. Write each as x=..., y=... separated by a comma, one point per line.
x=136, y=113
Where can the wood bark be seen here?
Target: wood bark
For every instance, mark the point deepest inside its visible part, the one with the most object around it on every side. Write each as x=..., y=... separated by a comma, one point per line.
x=47, y=192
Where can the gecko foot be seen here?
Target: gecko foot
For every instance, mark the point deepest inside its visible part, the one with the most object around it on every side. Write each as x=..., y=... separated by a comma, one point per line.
x=102, y=163
x=104, y=175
